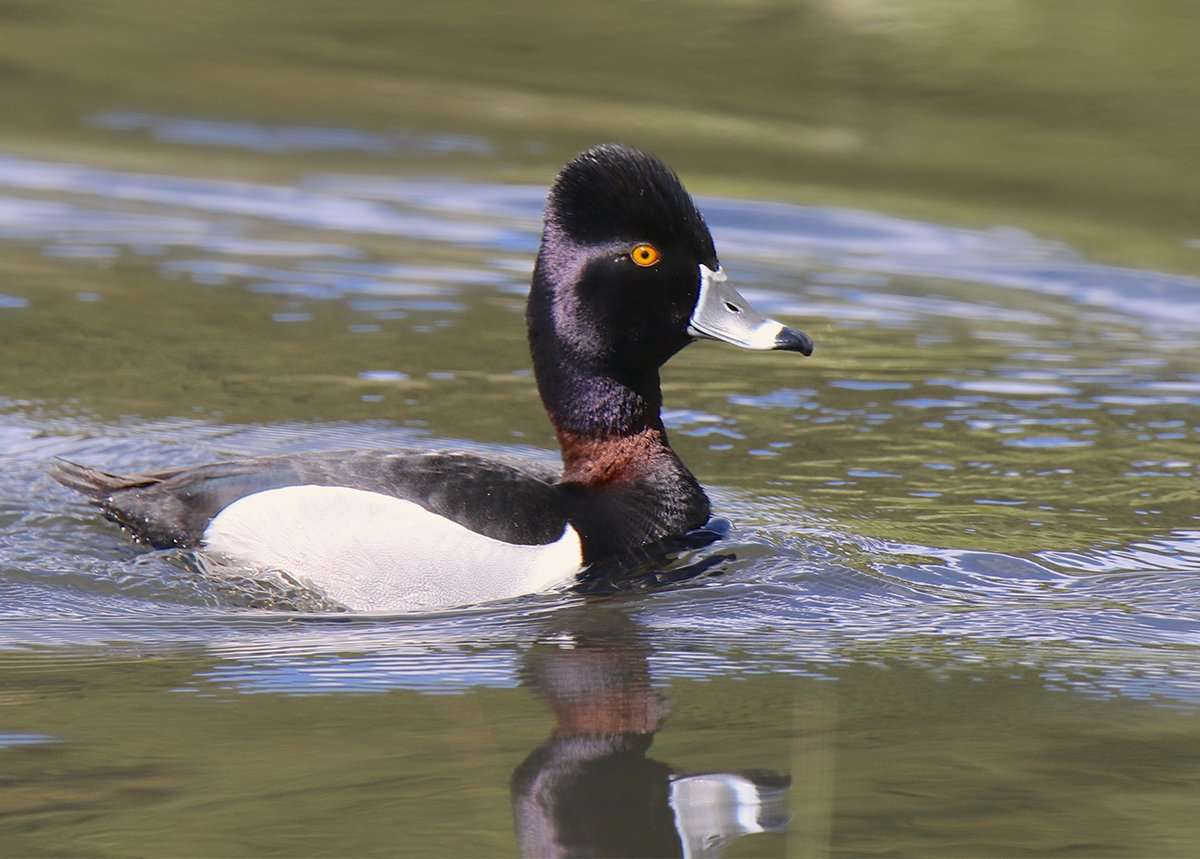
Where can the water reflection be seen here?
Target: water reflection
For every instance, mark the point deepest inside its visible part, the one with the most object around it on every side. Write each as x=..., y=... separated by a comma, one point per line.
x=591, y=789
x=138, y=751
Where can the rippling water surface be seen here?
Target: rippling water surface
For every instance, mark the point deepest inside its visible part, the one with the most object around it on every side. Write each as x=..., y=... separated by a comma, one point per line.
x=956, y=613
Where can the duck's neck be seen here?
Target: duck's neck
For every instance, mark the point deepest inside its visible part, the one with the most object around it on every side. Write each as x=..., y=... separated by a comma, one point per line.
x=609, y=422
x=623, y=484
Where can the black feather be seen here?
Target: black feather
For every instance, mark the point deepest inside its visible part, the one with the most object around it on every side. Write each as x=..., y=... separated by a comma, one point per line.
x=613, y=192
x=96, y=484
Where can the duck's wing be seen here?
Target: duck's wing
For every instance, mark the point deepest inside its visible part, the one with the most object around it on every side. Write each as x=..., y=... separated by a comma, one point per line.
x=516, y=504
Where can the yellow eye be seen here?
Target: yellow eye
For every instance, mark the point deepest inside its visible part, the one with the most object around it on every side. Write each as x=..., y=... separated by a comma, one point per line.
x=645, y=255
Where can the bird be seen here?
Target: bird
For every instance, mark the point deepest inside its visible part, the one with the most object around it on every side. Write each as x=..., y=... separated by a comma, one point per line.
x=626, y=276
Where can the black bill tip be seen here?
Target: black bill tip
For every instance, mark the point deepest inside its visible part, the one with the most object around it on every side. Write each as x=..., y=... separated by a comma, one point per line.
x=791, y=340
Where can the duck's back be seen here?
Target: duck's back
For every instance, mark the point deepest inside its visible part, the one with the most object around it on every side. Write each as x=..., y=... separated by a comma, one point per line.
x=174, y=508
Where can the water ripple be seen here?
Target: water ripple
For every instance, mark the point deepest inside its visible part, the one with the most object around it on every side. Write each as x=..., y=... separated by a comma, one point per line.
x=995, y=463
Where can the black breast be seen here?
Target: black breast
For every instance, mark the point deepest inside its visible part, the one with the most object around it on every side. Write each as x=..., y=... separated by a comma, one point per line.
x=616, y=518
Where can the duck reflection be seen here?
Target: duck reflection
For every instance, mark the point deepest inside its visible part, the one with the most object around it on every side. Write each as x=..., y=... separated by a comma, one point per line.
x=591, y=789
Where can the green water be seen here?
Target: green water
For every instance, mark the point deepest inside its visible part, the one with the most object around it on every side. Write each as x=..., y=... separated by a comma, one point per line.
x=956, y=614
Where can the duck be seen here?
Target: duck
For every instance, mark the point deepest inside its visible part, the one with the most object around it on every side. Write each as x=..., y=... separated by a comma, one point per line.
x=626, y=276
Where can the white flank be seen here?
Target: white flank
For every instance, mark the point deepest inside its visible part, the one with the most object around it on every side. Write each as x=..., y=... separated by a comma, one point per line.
x=373, y=552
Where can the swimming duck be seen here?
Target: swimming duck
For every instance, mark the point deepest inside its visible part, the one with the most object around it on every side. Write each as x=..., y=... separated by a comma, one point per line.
x=626, y=276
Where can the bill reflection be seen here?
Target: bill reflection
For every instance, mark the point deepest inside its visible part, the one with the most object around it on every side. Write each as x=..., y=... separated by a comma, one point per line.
x=591, y=789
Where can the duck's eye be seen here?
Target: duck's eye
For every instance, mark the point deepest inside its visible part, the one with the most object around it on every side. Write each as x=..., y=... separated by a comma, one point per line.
x=644, y=255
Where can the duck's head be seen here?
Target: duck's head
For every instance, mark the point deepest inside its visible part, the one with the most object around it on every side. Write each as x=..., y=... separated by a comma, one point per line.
x=627, y=274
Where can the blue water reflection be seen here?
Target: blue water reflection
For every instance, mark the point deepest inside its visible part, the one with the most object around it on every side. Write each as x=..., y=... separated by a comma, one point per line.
x=276, y=139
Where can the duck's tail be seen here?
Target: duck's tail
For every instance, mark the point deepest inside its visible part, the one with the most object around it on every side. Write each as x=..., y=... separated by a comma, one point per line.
x=93, y=482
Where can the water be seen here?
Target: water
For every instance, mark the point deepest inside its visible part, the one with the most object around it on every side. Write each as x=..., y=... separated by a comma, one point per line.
x=956, y=611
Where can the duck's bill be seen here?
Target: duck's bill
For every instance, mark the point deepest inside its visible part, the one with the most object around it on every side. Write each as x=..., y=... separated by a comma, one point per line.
x=723, y=314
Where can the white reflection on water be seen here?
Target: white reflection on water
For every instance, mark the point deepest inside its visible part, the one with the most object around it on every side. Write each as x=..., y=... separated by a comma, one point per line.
x=280, y=203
